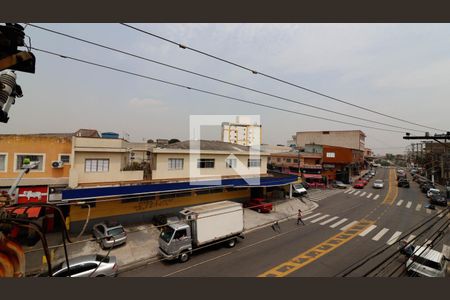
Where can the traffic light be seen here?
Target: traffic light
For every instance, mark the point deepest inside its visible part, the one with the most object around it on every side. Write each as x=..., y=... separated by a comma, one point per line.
x=9, y=90
x=13, y=36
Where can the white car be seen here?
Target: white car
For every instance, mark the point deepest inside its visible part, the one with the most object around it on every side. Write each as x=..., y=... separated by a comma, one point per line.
x=433, y=192
x=378, y=184
x=427, y=262
x=299, y=189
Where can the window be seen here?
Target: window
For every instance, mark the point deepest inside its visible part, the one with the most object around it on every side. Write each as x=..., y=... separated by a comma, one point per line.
x=204, y=163
x=278, y=159
x=176, y=163
x=180, y=234
x=32, y=157
x=231, y=163
x=288, y=160
x=296, y=161
x=96, y=165
x=3, y=159
x=65, y=158
x=254, y=163
x=331, y=154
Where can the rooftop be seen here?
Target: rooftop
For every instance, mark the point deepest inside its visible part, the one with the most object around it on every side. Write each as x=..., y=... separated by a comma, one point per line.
x=207, y=145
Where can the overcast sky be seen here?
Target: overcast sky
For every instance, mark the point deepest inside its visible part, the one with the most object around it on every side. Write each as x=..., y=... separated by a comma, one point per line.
x=398, y=69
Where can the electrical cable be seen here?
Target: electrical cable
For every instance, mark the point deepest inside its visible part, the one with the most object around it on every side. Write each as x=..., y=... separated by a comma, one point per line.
x=217, y=79
x=104, y=257
x=209, y=92
x=276, y=79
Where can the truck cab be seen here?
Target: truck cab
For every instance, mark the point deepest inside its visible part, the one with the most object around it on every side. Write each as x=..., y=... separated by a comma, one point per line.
x=174, y=240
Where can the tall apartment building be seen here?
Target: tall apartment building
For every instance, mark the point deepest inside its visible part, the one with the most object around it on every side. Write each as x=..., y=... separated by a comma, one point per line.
x=242, y=132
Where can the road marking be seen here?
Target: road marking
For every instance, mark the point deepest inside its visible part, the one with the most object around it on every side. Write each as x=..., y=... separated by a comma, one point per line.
x=380, y=234
x=338, y=223
x=369, y=229
x=399, y=202
x=320, y=218
x=362, y=194
x=370, y=195
x=316, y=252
x=349, y=225
x=376, y=197
x=357, y=193
x=198, y=264
x=408, y=205
x=346, y=191
x=394, y=238
x=329, y=220
x=352, y=191
x=393, y=189
x=313, y=216
x=410, y=238
x=418, y=207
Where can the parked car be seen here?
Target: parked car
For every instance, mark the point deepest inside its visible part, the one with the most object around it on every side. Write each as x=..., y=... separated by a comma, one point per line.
x=378, y=184
x=339, y=185
x=373, y=173
x=426, y=262
x=424, y=187
x=438, y=199
x=109, y=234
x=84, y=266
x=363, y=181
x=259, y=205
x=299, y=189
x=403, y=183
x=358, y=184
x=432, y=192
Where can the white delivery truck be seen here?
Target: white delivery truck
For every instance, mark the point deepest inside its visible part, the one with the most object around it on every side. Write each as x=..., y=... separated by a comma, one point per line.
x=202, y=225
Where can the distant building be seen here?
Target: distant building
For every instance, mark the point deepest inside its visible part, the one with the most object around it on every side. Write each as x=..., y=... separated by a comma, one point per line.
x=241, y=132
x=354, y=139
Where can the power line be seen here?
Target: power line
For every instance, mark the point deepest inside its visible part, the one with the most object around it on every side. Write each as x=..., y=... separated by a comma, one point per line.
x=275, y=78
x=216, y=79
x=208, y=92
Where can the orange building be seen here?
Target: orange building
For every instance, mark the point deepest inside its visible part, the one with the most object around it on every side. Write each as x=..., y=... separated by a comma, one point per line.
x=341, y=163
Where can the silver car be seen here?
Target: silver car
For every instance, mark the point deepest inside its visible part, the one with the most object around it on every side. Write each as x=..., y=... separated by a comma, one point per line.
x=87, y=266
x=378, y=184
x=109, y=234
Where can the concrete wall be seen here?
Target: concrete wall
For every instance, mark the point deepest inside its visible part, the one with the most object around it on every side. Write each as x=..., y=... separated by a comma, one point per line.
x=162, y=171
x=349, y=139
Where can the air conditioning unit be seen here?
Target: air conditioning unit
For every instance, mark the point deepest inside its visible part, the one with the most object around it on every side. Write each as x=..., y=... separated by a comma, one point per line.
x=57, y=164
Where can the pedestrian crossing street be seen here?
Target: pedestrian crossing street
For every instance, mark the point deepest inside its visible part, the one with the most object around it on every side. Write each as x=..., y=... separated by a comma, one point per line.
x=373, y=232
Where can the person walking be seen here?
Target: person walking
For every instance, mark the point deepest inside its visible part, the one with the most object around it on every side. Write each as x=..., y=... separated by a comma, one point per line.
x=299, y=217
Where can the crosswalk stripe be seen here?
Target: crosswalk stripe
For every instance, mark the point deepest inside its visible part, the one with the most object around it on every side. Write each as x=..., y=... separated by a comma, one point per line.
x=362, y=194
x=410, y=238
x=418, y=207
x=370, y=195
x=357, y=193
x=310, y=217
x=376, y=197
x=380, y=234
x=329, y=220
x=399, y=202
x=349, y=225
x=408, y=205
x=346, y=191
x=320, y=218
x=428, y=211
x=369, y=229
x=338, y=223
x=352, y=191
x=394, y=238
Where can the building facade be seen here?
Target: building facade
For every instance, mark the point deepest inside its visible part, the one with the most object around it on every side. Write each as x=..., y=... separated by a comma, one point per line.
x=242, y=133
x=354, y=139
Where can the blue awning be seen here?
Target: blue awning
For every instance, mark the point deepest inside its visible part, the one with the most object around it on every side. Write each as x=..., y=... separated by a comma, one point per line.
x=142, y=189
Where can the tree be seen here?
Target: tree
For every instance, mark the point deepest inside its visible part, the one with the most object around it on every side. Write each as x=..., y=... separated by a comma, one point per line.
x=172, y=141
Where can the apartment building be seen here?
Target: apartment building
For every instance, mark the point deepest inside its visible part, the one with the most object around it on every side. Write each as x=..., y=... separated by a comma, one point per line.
x=353, y=139
x=242, y=132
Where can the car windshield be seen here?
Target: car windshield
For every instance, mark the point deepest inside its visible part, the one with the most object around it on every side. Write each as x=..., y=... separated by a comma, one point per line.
x=104, y=259
x=298, y=186
x=378, y=181
x=427, y=263
x=115, y=231
x=167, y=233
x=339, y=182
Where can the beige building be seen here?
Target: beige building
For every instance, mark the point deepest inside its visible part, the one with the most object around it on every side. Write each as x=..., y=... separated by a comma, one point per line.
x=211, y=159
x=242, y=132
x=353, y=139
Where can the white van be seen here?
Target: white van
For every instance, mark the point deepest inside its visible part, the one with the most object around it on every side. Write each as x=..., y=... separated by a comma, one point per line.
x=427, y=263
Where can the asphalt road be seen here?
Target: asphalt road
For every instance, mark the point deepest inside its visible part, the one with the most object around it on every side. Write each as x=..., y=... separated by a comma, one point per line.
x=326, y=246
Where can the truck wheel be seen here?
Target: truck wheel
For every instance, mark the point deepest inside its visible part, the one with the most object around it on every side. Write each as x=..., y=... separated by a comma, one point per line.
x=184, y=257
x=231, y=243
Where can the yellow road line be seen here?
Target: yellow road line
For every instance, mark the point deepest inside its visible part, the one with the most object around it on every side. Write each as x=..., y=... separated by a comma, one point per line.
x=318, y=251
x=393, y=189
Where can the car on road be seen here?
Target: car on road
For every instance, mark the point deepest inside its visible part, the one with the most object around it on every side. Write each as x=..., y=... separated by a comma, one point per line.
x=378, y=184
x=259, y=205
x=86, y=266
x=373, y=173
x=358, y=184
x=339, y=185
x=438, y=199
x=364, y=181
x=403, y=183
x=432, y=192
x=109, y=234
x=299, y=189
x=426, y=262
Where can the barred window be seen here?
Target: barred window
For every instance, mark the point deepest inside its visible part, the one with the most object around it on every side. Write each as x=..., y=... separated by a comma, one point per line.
x=231, y=163
x=254, y=163
x=176, y=163
x=204, y=163
x=96, y=165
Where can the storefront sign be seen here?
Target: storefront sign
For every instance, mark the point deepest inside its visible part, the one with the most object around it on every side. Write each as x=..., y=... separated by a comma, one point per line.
x=33, y=194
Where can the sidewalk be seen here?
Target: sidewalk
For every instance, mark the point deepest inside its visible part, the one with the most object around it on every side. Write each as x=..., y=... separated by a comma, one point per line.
x=142, y=242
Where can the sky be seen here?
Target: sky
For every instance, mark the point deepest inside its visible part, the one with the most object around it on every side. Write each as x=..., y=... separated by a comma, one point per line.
x=401, y=70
